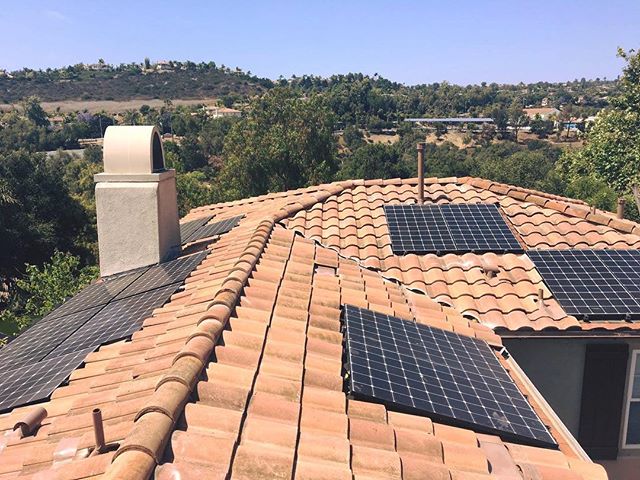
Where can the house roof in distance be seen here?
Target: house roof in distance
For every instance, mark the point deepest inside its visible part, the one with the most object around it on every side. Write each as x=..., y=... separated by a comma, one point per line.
x=240, y=375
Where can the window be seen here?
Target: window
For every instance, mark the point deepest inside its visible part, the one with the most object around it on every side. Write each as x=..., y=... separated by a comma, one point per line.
x=632, y=419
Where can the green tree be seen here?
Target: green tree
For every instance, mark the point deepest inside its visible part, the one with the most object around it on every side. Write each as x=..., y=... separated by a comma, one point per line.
x=34, y=111
x=517, y=118
x=612, y=147
x=374, y=160
x=43, y=216
x=284, y=142
x=43, y=288
x=541, y=128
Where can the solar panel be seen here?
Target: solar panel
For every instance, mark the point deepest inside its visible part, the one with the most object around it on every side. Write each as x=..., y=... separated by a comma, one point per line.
x=474, y=227
x=407, y=227
x=35, y=382
x=189, y=228
x=453, y=378
x=602, y=284
x=117, y=320
x=99, y=293
x=217, y=228
x=40, y=339
x=164, y=274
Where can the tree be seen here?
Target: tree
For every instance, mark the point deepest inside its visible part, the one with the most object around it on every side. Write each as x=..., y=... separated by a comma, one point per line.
x=500, y=119
x=43, y=288
x=612, y=146
x=441, y=129
x=374, y=160
x=517, y=118
x=284, y=142
x=147, y=63
x=541, y=128
x=34, y=111
x=353, y=137
x=43, y=216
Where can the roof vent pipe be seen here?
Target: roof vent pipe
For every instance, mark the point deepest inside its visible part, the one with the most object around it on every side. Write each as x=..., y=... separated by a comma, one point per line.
x=621, y=204
x=540, y=298
x=136, y=201
x=98, y=431
x=421, y=148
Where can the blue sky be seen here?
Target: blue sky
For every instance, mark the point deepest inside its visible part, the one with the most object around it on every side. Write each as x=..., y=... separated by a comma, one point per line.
x=407, y=41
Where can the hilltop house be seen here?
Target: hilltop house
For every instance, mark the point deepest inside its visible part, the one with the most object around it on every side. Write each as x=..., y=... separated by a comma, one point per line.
x=239, y=359
x=545, y=113
x=215, y=111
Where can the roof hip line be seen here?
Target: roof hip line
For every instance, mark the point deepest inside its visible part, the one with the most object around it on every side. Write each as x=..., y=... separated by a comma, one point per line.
x=142, y=448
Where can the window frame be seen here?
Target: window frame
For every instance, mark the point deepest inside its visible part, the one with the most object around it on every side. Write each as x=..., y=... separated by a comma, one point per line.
x=635, y=363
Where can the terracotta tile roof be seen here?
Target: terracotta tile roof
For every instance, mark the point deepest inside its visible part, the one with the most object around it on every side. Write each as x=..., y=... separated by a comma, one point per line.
x=239, y=375
x=353, y=223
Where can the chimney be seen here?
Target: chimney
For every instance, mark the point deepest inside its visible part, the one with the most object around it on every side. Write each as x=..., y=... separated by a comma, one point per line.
x=136, y=201
x=421, y=146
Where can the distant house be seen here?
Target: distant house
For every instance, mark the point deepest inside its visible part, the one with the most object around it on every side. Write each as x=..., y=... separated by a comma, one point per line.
x=545, y=113
x=100, y=66
x=164, y=66
x=217, y=112
x=545, y=102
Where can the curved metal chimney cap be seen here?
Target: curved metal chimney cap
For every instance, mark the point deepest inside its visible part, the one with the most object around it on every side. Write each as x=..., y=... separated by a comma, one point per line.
x=132, y=150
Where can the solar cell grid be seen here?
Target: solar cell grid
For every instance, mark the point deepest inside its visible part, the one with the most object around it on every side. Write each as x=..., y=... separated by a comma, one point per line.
x=406, y=226
x=117, y=320
x=478, y=227
x=37, y=381
x=99, y=293
x=448, y=228
x=164, y=274
x=40, y=339
x=426, y=370
x=216, y=228
x=602, y=284
x=187, y=229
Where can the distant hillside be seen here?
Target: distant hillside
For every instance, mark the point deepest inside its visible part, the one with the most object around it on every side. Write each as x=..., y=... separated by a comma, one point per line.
x=356, y=99
x=127, y=82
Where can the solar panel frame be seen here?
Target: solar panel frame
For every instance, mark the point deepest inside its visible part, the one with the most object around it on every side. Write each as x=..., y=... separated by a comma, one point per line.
x=118, y=320
x=449, y=228
x=452, y=378
x=163, y=274
x=42, y=338
x=187, y=229
x=588, y=284
x=36, y=382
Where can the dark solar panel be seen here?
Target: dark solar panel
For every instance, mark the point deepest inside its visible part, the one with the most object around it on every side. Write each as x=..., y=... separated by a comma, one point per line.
x=99, y=293
x=31, y=383
x=217, y=228
x=117, y=320
x=164, y=274
x=600, y=284
x=474, y=227
x=407, y=227
x=453, y=378
x=187, y=229
x=40, y=339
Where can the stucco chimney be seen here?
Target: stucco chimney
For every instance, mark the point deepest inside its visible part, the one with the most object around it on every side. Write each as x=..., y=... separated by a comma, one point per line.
x=136, y=201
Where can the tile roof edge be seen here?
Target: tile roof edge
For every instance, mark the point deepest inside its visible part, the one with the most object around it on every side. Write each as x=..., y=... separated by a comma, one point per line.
x=155, y=422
